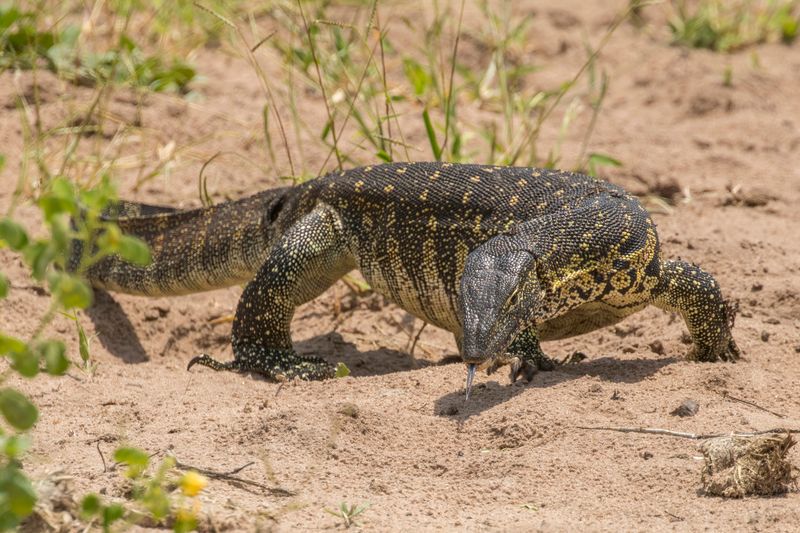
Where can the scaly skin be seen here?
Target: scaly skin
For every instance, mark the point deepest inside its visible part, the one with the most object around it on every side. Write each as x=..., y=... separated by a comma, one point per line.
x=492, y=254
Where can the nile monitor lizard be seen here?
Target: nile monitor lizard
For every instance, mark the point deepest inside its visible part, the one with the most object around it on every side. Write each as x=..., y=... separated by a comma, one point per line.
x=502, y=257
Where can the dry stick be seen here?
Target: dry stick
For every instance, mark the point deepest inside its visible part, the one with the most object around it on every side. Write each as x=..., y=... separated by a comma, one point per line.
x=262, y=41
x=751, y=404
x=685, y=435
x=105, y=468
x=676, y=517
x=230, y=476
x=448, y=101
x=321, y=85
x=416, y=339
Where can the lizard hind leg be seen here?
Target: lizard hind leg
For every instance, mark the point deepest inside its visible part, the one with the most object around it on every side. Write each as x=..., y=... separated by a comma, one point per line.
x=305, y=261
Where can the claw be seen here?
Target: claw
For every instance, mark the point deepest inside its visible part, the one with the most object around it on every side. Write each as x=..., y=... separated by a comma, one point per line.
x=206, y=360
x=470, y=376
x=520, y=367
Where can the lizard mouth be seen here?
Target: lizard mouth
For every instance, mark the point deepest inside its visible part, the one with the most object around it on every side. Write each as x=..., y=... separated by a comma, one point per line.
x=499, y=358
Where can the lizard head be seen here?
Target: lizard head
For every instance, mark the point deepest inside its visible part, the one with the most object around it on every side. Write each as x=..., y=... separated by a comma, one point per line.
x=499, y=295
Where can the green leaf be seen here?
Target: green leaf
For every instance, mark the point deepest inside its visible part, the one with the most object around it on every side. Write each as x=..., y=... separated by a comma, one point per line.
x=39, y=255
x=326, y=130
x=63, y=188
x=25, y=362
x=2, y=162
x=70, y=291
x=59, y=199
x=112, y=513
x=15, y=445
x=135, y=458
x=3, y=285
x=18, y=493
x=156, y=501
x=416, y=74
x=184, y=523
x=52, y=206
x=11, y=344
x=98, y=197
x=437, y=151
x=13, y=234
x=59, y=235
x=603, y=159
x=17, y=409
x=90, y=505
x=341, y=370
x=789, y=30
x=55, y=360
x=83, y=343
x=134, y=250
x=109, y=239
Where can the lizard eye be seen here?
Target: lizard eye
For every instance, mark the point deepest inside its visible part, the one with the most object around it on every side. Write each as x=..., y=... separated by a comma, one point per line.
x=514, y=298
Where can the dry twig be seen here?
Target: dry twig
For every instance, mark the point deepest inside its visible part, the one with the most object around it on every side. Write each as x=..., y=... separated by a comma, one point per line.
x=105, y=468
x=751, y=404
x=416, y=339
x=686, y=435
x=233, y=479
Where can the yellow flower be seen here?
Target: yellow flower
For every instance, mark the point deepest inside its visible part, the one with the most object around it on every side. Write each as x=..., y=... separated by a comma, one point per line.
x=192, y=483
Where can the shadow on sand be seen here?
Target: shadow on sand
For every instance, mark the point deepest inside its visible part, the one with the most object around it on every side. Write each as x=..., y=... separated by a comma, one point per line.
x=114, y=330
x=489, y=394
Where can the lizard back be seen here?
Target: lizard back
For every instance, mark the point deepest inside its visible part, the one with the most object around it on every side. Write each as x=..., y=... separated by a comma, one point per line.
x=412, y=225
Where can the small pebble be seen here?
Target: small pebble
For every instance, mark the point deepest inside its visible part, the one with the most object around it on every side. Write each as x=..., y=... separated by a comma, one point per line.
x=348, y=409
x=765, y=336
x=452, y=410
x=687, y=408
x=657, y=347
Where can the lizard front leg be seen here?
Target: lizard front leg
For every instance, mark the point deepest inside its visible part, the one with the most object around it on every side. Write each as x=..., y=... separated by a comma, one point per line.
x=525, y=356
x=304, y=262
x=694, y=294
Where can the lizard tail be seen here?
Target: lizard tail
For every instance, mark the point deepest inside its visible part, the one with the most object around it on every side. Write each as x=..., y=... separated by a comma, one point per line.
x=192, y=250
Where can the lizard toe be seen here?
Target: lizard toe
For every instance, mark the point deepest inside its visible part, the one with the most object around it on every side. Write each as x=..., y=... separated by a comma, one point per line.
x=210, y=362
x=520, y=367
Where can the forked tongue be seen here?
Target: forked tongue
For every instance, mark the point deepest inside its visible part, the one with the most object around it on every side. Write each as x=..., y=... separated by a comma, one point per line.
x=470, y=377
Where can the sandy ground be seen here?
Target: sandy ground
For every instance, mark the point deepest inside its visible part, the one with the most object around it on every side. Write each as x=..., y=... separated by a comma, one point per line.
x=397, y=433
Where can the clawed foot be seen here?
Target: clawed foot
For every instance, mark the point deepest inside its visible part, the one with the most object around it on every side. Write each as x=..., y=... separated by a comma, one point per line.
x=277, y=365
x=573, y=359
x=525, y=366
x=729, y=353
